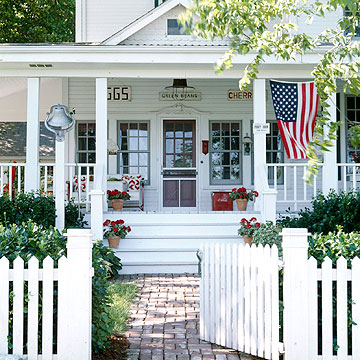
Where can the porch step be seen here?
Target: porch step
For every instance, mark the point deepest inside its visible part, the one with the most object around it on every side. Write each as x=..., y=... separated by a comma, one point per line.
x=168, y=242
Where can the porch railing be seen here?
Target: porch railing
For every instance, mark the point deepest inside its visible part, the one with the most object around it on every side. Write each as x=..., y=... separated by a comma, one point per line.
x=12, y=176
x=293, y=191
x=349, y=176
x=79, y=180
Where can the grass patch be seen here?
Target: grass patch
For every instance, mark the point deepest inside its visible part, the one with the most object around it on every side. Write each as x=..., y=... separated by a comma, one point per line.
x=121, y=296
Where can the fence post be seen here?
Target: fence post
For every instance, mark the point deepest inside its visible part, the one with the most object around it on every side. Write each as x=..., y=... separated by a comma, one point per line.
x=295, y=255
x=269, y=205
x=97, y=210
x=79, y=307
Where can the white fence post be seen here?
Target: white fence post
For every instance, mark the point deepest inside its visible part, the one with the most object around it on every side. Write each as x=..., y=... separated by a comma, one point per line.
x=269, y=205
x=97, y=210
x=295, y=255
x=78, y=290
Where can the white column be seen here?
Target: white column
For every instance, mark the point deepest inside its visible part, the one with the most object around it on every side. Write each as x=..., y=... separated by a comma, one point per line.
x=80, y=272
x=101, y=133
x=295, y=254
x=259, y=111
x=32, y=171
x=97, y=209
x=330, y=171
x=60, y=184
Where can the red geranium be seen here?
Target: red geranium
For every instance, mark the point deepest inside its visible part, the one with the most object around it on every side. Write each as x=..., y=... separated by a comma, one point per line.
x=248, y=227
x=116, y=194
x=242, y=193
x=112, y=228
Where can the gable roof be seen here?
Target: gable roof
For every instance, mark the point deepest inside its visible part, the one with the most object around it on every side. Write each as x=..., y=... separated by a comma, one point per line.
x=143, y=21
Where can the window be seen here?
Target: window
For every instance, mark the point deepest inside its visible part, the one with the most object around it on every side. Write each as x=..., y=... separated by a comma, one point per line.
x=174, y=28
x=347, y=14
x=85, y=147
x=134, y=156
x=274, y=145
x=352, y=118
x=225, y=152
x=274, y=152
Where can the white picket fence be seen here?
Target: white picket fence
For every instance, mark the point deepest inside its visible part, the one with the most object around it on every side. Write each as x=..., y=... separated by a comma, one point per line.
x=72, y=279
x=239, y=298
x=239, y=301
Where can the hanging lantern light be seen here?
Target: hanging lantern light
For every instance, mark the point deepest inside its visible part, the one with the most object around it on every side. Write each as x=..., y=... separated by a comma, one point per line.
x=59, y=120
x=179, y=88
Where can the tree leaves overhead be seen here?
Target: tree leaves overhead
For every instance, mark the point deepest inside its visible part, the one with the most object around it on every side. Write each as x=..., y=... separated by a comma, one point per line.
x=270, y=28
x=36, y=21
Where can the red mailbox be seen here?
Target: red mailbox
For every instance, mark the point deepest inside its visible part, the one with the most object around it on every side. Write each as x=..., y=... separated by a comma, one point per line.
x=221, y=201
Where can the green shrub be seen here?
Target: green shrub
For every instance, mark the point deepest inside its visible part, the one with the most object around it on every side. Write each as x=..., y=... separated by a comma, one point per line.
x=30, y=239
x=327, y=212
x=37, y=208
x=334, y=245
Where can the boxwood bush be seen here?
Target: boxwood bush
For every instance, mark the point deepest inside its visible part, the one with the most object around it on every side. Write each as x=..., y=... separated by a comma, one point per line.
x=37, y=208
x=30, y=239
x=327, y=212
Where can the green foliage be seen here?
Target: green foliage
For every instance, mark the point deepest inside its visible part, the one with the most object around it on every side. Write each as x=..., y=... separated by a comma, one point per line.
x=105, y=265
x=327, y=212
x=268, y=233
x=34, y=21
x=38, y=208
x=121, y=297
x=31, y=239
x=265, y=28
x=335, y=245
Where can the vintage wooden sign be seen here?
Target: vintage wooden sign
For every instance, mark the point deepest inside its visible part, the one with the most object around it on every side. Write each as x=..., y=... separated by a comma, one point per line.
x=239, y=95
x=119, y=93
x=189, y=96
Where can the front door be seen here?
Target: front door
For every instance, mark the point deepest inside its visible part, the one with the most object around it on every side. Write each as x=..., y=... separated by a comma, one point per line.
x=179, y=163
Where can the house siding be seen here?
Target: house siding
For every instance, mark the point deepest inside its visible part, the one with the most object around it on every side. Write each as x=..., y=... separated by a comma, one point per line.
x=145, y=105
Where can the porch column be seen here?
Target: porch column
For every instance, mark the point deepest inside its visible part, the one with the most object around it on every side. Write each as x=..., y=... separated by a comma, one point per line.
x=32, y=172
x=60, y=184
x=101, y=134
x=259, y=111
x=330, y=171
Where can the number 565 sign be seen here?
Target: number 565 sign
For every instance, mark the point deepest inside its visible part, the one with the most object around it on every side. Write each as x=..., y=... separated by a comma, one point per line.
x=119, y=93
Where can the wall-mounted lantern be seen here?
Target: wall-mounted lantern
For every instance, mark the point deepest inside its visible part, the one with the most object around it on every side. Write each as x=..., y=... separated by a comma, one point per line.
x=205, y=147
x=247, y=144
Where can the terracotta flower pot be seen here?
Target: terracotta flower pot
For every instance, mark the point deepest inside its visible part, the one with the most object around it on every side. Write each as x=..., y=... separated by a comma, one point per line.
x=117, y=204
x=114, y=241
x=242, y=204
x=248, y=239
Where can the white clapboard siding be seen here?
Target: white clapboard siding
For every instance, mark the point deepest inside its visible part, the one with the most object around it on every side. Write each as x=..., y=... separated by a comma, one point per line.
x=73, y=342
x=241, y=287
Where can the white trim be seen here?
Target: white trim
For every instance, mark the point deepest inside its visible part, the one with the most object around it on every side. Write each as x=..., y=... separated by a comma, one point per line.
x=143, y=21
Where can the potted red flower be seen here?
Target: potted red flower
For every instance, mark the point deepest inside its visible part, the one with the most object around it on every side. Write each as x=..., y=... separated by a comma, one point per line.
x=114, y=231
x=117, y=198
x=247, y=229
x=242, y=197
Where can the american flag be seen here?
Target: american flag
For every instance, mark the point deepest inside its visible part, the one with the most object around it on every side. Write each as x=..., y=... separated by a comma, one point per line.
x=296, y=106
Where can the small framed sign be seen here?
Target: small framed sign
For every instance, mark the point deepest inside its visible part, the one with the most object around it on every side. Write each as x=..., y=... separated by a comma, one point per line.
x=119, y=93
x=260, y=128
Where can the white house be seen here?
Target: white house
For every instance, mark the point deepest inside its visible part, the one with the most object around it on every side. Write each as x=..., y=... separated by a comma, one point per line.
x=186, y=145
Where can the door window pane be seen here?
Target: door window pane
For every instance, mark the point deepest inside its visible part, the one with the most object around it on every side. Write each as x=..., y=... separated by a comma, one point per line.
x=86, y=143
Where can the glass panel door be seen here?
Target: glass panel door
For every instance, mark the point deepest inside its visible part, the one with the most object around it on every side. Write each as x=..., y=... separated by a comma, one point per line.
x=179, y=163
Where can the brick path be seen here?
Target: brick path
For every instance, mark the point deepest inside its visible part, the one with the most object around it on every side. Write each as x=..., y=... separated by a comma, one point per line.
x=165, y=320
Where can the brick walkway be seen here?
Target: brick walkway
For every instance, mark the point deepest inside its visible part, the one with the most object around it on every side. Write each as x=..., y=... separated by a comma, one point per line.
x=165, y=321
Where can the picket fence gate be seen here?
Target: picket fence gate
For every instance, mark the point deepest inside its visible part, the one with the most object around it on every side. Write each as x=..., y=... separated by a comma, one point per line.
x=31, y=333
x=240, y=308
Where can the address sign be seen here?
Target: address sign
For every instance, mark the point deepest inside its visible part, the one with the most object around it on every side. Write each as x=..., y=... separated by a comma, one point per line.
x=119, y=93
